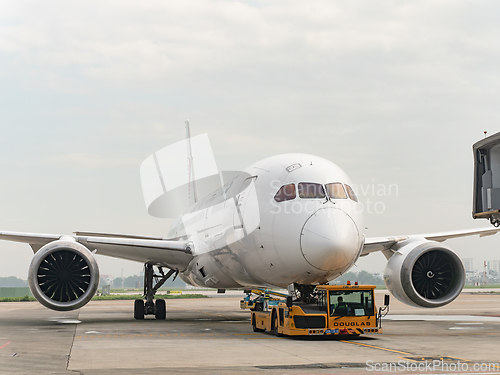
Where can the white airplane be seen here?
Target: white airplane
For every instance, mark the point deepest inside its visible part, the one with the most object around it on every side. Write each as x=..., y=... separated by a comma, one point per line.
x=286, y=220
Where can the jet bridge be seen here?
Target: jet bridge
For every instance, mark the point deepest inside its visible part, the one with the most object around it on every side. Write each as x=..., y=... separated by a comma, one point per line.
x=486, y=200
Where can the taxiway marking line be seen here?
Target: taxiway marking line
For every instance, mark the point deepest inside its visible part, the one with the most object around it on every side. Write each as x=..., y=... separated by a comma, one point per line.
x=375, y=347
x=4, y=345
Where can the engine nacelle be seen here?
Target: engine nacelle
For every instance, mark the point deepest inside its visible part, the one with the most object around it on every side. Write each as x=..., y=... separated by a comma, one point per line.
x=424, y=274
x=63, y=275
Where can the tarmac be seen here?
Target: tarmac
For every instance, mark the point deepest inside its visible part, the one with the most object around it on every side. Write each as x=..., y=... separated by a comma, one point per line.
x=213, y=336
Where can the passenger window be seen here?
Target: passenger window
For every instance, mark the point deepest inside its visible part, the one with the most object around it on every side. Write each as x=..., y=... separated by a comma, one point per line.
x=285, y=193
x=336, y=190
x=311, y=190
x=351, y=194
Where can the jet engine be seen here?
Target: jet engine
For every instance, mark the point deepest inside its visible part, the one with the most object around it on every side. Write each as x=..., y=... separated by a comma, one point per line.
x=63, y=275
x=424, y=273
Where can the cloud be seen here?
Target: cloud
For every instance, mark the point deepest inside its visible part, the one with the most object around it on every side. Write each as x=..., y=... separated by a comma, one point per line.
x=86, y=161
x=153, y=44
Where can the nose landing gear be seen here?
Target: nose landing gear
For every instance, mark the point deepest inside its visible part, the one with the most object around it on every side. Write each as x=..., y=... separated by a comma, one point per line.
x=150, y=307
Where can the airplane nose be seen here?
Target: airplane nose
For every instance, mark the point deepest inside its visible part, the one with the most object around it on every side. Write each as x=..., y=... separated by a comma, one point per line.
x=329, y=239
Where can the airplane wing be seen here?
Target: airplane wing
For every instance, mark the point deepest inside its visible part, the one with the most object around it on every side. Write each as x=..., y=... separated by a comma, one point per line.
x=374, y=244
x=171, y=253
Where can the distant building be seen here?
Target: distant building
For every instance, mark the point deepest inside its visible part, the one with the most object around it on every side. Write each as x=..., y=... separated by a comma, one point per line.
x=494, y=265
x=468, y=264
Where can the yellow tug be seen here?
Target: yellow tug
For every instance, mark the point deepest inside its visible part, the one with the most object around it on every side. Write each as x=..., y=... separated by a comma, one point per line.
x=347, y=310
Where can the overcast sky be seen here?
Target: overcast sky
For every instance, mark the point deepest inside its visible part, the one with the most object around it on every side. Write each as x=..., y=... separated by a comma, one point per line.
x=393, y=92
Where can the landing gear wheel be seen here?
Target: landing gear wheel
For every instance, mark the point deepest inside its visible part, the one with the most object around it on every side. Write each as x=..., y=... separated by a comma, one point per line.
x=161, y=309
x=276, y=333
x=274, y=322
x=255, y=329
x=139, y=309
x=254, y=326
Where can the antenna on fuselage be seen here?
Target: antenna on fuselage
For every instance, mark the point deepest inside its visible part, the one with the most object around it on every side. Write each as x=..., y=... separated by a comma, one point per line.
x=192, y=179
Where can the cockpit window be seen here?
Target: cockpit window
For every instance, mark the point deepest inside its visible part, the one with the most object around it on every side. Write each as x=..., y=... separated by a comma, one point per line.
x=336, y=190
x=285, y=193
x=311, y=190
x=351, y=194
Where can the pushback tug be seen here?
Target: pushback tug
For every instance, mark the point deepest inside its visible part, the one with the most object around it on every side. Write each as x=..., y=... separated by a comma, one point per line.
x=347, y=310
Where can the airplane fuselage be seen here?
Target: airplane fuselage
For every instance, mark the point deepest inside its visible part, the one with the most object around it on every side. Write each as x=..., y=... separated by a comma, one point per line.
x=286, y=219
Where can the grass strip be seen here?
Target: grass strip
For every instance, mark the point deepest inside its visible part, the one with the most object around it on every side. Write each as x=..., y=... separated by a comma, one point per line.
x=112, y=297
x=17, y=299
x=139, y=296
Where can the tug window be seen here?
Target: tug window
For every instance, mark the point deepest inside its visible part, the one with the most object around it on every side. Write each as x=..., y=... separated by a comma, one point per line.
x=285, y=193
x=336, y=191
x=351, y=194
x=311, y=190
x=351, y=303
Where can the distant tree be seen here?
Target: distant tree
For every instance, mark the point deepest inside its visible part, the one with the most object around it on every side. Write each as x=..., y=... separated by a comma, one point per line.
x=103, y=282
x=12, y=281
x=171, y=283
x=117, y=283
x=362, y=277
x=132, y=281
x=177, y=283
x=349, y=276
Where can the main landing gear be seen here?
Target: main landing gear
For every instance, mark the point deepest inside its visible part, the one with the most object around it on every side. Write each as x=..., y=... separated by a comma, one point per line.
x=157, y=308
